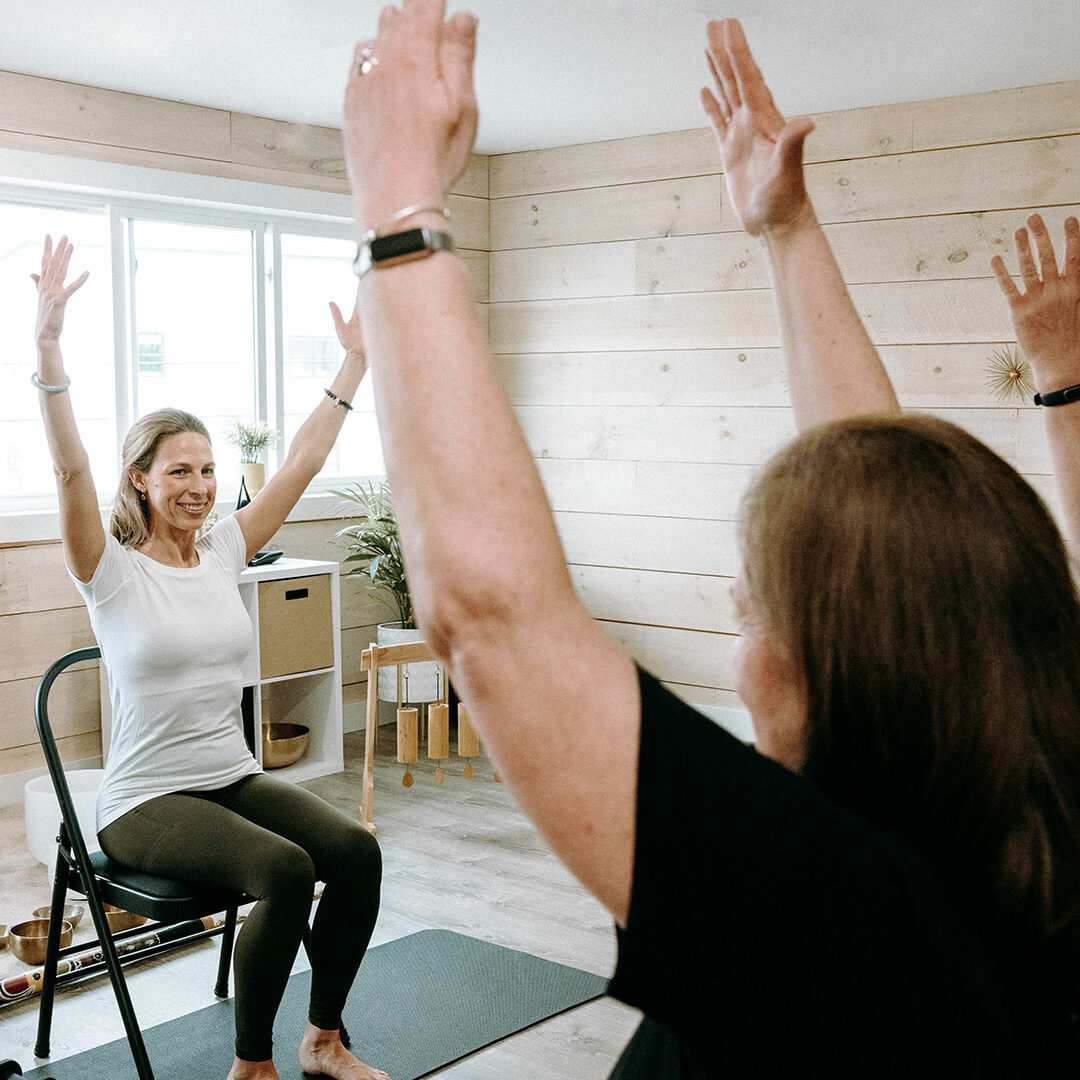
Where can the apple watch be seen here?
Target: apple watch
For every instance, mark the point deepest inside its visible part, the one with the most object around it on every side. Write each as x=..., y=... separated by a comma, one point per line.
x=377, y=252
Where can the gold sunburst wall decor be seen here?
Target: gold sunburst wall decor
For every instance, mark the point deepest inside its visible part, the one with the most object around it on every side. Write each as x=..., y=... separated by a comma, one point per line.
x=1008, y=374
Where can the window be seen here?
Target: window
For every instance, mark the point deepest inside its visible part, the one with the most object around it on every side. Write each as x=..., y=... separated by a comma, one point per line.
x=314, y=271
x=222, y=313
x=26, y=476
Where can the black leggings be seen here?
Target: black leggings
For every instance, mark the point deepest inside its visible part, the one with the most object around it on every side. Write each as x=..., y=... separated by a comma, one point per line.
x=273, y=841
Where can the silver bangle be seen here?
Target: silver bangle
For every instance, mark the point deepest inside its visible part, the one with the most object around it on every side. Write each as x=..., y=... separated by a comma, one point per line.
x=401, y=215
x=50, y=389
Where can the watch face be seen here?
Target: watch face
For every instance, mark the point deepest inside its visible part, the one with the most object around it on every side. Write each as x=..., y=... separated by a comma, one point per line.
x=398, y=245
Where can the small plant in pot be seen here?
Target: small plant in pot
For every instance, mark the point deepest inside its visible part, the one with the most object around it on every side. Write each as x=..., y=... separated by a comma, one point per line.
x=376, y=543
x=251, y=438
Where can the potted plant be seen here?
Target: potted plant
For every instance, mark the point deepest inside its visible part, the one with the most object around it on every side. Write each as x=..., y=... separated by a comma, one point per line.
x=374, y=542
x=251, y=438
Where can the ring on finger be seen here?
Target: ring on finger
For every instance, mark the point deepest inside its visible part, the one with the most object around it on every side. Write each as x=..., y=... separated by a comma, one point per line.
x=368, y=60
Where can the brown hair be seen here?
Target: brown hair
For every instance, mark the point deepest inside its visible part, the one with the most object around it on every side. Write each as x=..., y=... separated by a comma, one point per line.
x=129, y=516
x=925, y=592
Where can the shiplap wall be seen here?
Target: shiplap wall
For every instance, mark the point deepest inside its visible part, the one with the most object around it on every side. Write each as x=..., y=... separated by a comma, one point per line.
x=634, y=325
x=41, y=614
x=636, y=329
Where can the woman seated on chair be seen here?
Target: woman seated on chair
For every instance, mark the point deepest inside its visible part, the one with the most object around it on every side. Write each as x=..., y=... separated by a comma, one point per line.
x=889, y=885
x=182, y=795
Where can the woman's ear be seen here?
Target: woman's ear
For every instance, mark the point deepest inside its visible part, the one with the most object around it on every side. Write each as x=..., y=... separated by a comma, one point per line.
x=138, y=481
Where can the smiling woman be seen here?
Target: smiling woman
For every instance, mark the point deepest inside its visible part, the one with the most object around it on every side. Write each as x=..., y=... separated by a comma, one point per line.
x=182, y=794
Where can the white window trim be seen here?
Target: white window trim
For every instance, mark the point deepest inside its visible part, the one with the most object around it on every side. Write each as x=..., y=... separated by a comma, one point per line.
x=126, y=190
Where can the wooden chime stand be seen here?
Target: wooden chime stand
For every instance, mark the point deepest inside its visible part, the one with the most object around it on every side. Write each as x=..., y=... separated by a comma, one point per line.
x=408, y=726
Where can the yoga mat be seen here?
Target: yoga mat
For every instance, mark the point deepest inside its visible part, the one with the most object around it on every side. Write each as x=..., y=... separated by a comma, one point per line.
x=419, y=1003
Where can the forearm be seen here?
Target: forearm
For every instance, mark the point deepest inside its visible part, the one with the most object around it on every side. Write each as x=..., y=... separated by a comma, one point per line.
x=315, y=438
x=69, y=457
x=834, y=371
x=475, y=522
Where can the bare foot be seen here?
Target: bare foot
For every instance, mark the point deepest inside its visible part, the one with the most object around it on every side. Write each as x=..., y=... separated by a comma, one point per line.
x=253, y=1070
x=321, y=1054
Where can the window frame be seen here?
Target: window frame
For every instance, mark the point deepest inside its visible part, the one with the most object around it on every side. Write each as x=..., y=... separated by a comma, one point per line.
x=195, y=200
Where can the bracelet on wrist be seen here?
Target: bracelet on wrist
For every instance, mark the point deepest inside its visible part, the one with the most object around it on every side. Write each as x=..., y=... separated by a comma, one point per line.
x=338, y=400
x=401, y=215
x=59, y=388
x=1059, y=397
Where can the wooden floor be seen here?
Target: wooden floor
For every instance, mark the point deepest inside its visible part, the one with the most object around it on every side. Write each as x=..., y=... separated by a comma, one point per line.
x=460, y=856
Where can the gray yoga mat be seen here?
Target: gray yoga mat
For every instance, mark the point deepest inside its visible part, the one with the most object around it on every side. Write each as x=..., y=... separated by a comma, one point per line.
x=419, y=1003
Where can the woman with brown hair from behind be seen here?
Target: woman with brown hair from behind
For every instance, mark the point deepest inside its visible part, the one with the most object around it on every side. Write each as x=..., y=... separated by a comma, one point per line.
x=887, y=885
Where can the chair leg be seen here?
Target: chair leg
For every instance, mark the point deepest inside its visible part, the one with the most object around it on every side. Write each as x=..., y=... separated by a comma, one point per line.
x=221, y=987
x=116, y=977
x=52, y=953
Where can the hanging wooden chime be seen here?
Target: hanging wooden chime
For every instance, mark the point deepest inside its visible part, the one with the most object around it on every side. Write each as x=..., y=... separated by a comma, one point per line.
x=468, y=743
x=407, y=737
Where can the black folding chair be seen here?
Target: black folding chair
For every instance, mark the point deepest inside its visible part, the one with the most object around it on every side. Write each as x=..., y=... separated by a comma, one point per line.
x=103, y=881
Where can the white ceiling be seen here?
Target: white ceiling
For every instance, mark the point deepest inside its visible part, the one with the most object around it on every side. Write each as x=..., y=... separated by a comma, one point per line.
x=550, y=72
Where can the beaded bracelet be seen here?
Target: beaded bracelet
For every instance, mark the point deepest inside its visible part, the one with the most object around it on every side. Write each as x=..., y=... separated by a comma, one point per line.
x=338, y=400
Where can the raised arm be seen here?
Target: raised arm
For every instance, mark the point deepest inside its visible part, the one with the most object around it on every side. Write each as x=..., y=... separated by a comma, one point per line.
x=554, y=698
x=81, y=531
x=261, y=518
x=1046, y=318
x=833, y=368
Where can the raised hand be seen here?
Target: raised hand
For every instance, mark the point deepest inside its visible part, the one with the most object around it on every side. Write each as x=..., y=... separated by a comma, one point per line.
x=348, y=333
x=1046, y=315
x=53, y=294
x=410, y=110
x=761, y=153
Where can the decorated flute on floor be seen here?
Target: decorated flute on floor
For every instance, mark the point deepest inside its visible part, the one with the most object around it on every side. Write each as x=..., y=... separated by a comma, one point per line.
x=19, y=987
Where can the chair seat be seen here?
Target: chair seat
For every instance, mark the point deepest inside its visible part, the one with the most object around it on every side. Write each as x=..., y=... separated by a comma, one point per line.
x=160, y=898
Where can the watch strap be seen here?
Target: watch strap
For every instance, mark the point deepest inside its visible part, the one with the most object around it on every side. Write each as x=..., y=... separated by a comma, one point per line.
x=1059, y=397
x=377, y=252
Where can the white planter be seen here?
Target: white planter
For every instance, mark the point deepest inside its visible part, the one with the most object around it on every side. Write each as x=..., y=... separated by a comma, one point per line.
x=424, y=681
x=43, y=811
x=254, y=474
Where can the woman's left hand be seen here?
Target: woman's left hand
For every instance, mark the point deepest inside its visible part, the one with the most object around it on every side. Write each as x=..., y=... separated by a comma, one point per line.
x=410, y=110
x=348, y=333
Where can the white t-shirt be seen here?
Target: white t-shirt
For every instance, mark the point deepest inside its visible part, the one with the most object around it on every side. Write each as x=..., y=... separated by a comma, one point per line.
x=174, y=640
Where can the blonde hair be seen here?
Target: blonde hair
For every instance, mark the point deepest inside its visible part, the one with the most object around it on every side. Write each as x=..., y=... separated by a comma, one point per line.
x=129, y=515
x=924, y=591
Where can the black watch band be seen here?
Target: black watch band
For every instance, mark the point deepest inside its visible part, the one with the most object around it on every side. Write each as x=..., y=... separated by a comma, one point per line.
x=380, y=251
x=1059, y=397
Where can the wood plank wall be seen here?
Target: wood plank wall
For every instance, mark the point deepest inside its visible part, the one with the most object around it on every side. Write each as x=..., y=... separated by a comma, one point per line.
x=41, y=614
x=635, y=326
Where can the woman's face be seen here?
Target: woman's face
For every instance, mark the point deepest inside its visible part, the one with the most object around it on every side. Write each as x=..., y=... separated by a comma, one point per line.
x=180, y=485
x=770, y=686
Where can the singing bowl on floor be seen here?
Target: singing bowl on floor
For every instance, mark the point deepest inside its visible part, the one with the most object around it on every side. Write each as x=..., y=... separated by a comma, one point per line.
x=282, y=744
x=72, y=913
x=119, y=919
x=28, y=939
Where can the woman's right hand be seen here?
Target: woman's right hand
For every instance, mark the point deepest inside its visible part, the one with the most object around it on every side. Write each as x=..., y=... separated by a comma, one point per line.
x=761, y=153
x=53, y=294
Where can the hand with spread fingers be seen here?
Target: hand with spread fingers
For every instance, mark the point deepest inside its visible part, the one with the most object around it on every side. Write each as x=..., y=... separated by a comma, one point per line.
x=760, y=151
x=1046, y=315
x=410, y=110
x=53, y=293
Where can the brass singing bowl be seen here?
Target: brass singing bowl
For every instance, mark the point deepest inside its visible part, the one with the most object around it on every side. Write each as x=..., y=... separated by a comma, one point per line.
x=282, y=744
x=28, y=939
x=119, y=919
x=72, y=913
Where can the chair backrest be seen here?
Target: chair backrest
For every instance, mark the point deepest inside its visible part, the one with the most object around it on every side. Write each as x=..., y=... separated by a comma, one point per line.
x=68, y=816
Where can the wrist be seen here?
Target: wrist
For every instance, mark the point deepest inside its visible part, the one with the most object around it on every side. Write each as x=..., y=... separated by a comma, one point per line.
x=381, y=215
x=794, y=228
